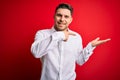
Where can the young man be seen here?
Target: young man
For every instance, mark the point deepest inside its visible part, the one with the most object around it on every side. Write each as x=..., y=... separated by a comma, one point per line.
x=60, y=48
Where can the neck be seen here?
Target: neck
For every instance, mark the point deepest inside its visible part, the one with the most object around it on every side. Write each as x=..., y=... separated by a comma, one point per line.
x=66, y=29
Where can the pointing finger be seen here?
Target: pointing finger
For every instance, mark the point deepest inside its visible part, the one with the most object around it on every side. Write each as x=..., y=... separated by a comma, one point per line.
x=70, y=33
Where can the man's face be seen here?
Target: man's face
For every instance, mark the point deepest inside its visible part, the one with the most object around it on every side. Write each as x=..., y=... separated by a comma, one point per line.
x=62, y=19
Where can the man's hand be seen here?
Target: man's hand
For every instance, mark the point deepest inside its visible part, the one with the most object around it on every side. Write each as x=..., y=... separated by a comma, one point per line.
x=97, y=41
x=67, y=33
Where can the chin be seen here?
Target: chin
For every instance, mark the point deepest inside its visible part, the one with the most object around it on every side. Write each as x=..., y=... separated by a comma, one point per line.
x=61, y=29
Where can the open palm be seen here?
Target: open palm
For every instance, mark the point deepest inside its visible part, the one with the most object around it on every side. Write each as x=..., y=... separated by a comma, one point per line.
x=97, y=41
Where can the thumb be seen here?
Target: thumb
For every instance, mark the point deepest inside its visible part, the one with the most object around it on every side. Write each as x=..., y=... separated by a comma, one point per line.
x=97, y=38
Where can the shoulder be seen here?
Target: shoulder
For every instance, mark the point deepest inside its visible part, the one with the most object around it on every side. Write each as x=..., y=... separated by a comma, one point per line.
x=77, y=37
x=43, y=31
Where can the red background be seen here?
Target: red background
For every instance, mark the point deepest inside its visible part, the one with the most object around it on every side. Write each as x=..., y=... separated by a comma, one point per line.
x=20, y=19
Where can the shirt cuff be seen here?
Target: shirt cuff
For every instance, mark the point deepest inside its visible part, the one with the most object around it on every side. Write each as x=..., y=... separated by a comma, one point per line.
x=90, y=48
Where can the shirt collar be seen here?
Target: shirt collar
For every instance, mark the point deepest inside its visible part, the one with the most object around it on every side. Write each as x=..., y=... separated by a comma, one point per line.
x=53, y=29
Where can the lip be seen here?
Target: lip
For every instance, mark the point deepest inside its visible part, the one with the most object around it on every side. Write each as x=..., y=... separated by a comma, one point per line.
x=61, y=25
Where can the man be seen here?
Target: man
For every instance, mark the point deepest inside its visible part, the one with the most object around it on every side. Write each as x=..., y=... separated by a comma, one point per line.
x=60, y=48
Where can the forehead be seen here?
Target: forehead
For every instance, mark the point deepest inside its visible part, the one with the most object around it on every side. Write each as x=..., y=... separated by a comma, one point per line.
x=63, y=11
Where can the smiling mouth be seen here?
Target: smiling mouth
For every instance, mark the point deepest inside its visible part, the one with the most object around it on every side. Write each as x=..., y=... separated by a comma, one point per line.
x=61, y=23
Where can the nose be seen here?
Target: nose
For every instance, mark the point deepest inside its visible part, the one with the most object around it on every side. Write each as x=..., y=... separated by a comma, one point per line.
x=62, y=18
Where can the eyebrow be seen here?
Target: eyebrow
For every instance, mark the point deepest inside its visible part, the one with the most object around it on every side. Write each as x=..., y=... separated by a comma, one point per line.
x=61, y=14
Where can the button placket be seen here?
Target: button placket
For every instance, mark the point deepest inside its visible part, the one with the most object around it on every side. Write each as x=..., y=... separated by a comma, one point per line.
x=61, y=59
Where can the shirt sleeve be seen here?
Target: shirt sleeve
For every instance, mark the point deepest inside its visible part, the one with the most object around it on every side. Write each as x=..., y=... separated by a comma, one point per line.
x=44, y=43
x=84, y=53
x=88, y=51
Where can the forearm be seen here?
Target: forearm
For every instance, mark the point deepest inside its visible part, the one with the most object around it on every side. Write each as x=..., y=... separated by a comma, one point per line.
x=38, y=48
x=41, y=46
x=87, y=51
x=84, y=54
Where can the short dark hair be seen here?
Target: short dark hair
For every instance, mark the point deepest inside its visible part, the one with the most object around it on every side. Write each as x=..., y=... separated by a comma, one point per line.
x=65, y=6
